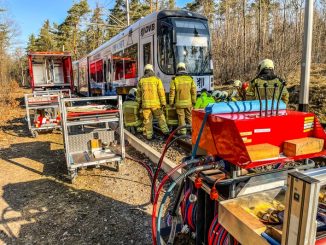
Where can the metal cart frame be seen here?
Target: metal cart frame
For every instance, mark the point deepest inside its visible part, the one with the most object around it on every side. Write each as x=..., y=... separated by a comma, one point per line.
x=77, y=155
x=42, y=100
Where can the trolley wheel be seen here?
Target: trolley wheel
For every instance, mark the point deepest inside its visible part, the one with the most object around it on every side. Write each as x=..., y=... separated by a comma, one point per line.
x=117, y=166
x=72, y=175
x=34, y=134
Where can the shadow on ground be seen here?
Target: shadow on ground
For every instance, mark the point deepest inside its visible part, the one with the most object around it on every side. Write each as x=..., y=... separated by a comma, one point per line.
x=53, y=213
x=16, y=127
x=48, y=155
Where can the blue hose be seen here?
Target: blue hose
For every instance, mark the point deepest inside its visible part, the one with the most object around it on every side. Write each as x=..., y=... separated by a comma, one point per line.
x=208, y=111
x=269, y=239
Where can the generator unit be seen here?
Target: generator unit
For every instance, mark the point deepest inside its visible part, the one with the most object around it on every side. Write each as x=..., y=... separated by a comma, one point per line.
x=239, y=186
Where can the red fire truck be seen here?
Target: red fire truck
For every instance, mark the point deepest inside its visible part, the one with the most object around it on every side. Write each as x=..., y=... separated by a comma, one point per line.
x=50, y=70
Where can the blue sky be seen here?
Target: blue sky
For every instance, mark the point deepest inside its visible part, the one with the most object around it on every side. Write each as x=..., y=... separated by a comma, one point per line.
x=30, y=14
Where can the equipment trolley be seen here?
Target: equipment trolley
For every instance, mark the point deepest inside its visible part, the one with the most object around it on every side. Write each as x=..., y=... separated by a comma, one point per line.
x=43, y=110
x=93, y=132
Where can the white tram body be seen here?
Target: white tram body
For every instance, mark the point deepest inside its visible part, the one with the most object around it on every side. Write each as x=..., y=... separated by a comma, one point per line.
x=162, y=39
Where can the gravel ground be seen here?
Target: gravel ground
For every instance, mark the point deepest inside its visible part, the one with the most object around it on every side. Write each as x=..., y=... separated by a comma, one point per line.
x=38, y=205
x=175, y=153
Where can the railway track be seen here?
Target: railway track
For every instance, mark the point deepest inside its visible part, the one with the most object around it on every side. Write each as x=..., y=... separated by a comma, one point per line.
x=184, y=144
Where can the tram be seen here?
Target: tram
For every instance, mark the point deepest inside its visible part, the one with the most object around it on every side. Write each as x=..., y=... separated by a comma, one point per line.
x=162, y=39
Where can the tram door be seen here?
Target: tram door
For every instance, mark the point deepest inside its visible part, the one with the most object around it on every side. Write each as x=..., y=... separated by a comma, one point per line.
x=147, y=54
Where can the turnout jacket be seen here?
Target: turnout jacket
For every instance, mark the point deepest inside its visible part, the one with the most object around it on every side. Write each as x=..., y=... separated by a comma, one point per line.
x=182, y=91
x=270, y=79
x=150, y=92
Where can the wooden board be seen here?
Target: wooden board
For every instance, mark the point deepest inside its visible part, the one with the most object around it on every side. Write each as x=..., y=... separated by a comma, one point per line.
x=263, y=151
x=243, y=226
x=302, y=146
x=275, y=232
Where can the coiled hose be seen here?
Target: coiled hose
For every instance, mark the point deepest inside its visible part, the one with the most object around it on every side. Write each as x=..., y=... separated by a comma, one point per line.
x=157, y=194
x=168, y=192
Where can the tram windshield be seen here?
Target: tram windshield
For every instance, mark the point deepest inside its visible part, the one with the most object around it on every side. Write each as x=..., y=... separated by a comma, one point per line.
x=184, y=40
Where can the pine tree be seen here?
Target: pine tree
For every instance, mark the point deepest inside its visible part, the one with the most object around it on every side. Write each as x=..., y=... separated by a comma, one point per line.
x=69, y=30
x=138, y=10
x=205, y=7
x=117, y=18
x=46, y=40
x=95, y=31
x=31, y=45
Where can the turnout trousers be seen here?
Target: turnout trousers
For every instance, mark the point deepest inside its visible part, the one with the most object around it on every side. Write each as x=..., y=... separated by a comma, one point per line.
x=184, y=115
x=148, y=121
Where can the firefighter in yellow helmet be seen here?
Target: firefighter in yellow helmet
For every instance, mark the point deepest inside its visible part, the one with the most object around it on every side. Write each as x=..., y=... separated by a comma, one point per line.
x=151, y=98
x=182, y=95
x=130, y=110
x=267, y=76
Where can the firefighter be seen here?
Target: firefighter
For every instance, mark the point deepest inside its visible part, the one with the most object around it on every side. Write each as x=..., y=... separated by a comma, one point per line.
x=204, y=99
x=266, y=75
x=130, y=110
x=182, y=95
x=150, y=97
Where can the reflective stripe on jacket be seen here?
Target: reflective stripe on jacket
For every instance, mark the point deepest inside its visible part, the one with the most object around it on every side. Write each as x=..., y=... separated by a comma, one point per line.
x=252, y=93
x=203, y=101
x=150, y=93
x=182, y=91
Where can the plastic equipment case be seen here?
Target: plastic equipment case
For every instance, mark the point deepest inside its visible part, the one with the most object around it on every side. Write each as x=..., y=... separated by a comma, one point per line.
x=43, y=110
x=93, y=132
x=301, y=204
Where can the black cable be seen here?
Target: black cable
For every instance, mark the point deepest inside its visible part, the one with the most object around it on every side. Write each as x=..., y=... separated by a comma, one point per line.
x=273, y=98
x=260, y=102
x=266, y=99
x=279, y=97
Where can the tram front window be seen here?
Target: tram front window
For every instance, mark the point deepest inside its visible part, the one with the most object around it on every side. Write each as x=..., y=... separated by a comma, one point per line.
x=184, y=40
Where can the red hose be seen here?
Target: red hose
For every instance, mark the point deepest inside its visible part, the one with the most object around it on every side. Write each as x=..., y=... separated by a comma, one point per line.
x=157, y=194
x=210, y=231
x=159, y=164
x=183, y=204
x=223, y=237
x=189, y=216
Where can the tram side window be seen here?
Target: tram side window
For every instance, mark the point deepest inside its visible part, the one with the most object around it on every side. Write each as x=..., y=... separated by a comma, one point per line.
x=108, y=72
x=99, y=71
x=130, y=59
x=82, y=75
x=93, y=72
x=147, y=54
x=104, y=70
x=118, y=66
x=165, y=46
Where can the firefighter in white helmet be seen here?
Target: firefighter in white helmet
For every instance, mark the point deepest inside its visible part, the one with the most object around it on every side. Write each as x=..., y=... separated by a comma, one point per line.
x=151, y=98
x=267, y=76
x=182, y=95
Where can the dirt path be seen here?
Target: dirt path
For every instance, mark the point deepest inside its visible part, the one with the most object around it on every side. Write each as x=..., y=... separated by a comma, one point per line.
x=38, y=207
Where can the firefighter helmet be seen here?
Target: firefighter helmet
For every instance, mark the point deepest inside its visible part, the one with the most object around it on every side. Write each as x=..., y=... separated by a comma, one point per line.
x=148, y=67
x=133, y=91
x=237, y=83
x=181, y=65
x=266, y=64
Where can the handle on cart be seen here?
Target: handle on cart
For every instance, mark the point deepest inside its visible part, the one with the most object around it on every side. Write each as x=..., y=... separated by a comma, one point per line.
x=266, y=102
x=259, y=98
x=279, y=97
x=273, y=98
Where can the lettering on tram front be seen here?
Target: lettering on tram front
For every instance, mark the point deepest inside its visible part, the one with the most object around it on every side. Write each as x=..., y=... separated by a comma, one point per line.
x=146, y=30
x=200, y=82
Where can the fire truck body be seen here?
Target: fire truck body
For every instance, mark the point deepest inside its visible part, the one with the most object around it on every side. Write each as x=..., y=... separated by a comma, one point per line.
x=50, y=70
